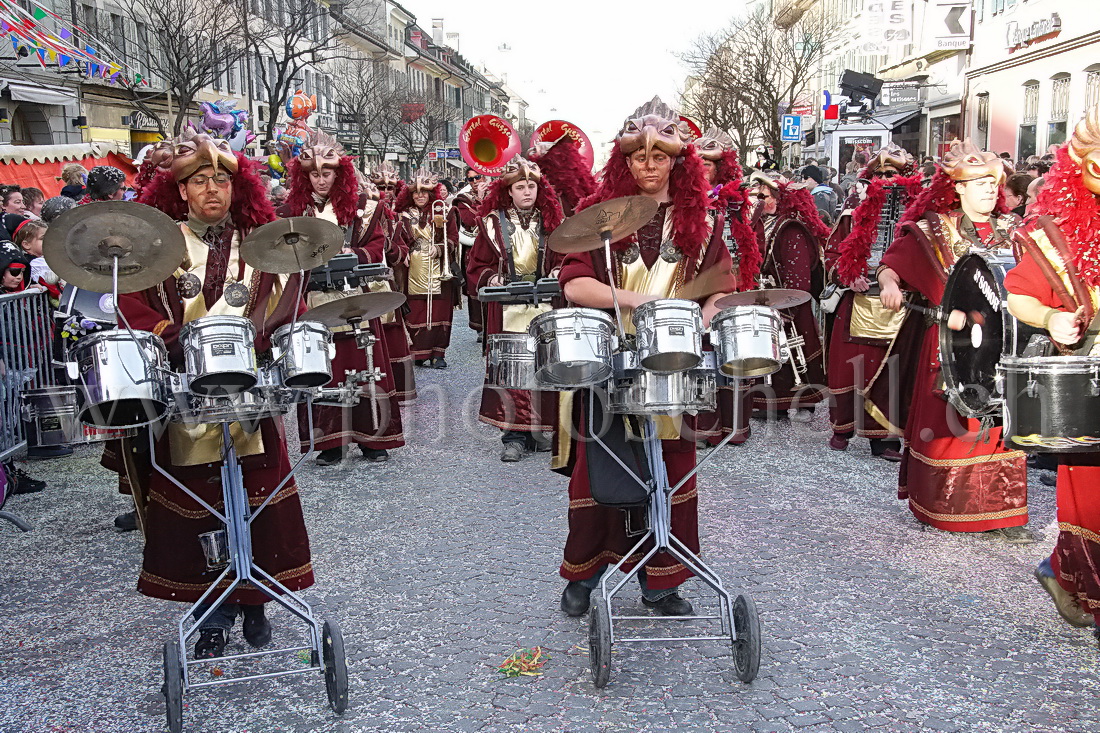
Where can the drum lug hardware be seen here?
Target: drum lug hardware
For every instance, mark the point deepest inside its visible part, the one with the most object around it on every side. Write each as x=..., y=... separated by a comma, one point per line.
x=1032, y=388
x=1094, y=387
x=999, y=383
x=73, y=370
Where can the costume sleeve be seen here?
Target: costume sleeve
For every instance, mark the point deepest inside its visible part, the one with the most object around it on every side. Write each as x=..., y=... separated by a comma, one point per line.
x=484, y=259
x=797, y=259
x=1027, y=279
x=717, y=258
x=832, y=249
x=143, y=314
x=582, y=264
x=371, y=240
x=910, y=259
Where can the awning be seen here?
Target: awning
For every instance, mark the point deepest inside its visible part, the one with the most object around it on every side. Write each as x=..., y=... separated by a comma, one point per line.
x=456, y=163
x=892, y=121
x=39, y=165
x=41, y=94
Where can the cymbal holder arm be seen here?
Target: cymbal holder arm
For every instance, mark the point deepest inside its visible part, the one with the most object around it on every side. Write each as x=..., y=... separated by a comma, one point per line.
x=120, y=320
x=366, y=341
x=605, y=235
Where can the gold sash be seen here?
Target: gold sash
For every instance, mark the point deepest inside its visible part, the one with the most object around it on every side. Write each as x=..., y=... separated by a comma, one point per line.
x=194, y=444
x=871, y=321
x=525, y=257
x=424, y=270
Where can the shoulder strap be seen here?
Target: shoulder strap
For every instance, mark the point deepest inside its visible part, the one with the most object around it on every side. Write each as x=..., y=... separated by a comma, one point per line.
x=506, y=240
x=1058, y=241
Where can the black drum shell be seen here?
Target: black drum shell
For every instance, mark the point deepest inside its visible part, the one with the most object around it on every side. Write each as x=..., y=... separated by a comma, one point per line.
x=1065, y=403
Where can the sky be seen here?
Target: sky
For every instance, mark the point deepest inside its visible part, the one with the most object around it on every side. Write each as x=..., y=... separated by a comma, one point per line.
x=589, y=62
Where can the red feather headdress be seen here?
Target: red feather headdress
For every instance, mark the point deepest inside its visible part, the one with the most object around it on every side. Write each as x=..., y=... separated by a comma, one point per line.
x=1076, y=211
x=344, y=194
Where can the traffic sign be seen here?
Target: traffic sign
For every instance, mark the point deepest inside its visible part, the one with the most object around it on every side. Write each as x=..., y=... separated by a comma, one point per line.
x=791, y=129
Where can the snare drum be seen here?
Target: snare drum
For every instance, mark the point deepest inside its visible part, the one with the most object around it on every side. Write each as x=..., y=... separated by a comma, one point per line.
x=1051, y=403
x=748, y=341
x=219, y=354
x=650, y=393
x=50, y=417
x=122, y=378
x=669, y=335
x=304, y=352
x=510, y=361
x=573, y=347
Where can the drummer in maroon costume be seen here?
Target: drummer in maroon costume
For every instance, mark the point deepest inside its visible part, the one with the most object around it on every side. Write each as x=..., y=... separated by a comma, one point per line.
x=220, y=199
x=429, y=285
x=1058, y=274
x=385, y=181
x=791, y=236
x=462, y=227
x=651, y=157
x=322, y=183
x=530, y=208
x=724, y=174
x=862, y=330
x=956, y=475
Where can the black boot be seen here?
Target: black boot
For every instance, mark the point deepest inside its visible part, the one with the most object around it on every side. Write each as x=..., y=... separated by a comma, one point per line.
x=331, y=457
x=126, y=522
x=575, y=599
x=670, y=605
x=211, y=643
x=256, y=627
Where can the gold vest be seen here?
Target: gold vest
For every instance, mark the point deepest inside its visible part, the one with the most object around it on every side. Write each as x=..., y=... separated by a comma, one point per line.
x=195, y=444
x=525, y=257
x=424, y=270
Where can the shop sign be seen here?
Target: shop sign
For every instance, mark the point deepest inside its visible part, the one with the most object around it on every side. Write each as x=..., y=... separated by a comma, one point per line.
x=140, y=120
x=1019, y=36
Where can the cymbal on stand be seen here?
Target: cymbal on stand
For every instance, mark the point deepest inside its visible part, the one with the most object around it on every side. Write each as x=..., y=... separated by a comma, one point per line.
x=291, y=245
x=778, y=298
x=82, y=243
x=362, y=307
x=622, y=217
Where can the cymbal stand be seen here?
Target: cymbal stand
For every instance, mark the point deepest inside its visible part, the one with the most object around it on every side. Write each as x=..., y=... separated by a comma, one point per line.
x=605, y=235
x=366, y=340
x=737, y=617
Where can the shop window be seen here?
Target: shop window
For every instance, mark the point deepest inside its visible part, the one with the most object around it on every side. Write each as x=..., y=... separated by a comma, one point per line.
x=1059, y=109
x=983, y=121
x=1031, y=102
x=1092, y=86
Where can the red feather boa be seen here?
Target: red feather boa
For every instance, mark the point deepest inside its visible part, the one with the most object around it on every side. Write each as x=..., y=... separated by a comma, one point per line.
x=564, y=169
x=749, y=255
x=145, y=174
x=403, y=200
x=250, y=205
x=798, y=203
x=729, y=168
x=855, y=249
x=498, y=197
x=344, y=194
x=688, y=186
x=940, y=198
x=1077, y=212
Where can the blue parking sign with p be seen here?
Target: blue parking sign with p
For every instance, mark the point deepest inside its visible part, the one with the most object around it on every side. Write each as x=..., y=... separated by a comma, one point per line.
x=792, y=128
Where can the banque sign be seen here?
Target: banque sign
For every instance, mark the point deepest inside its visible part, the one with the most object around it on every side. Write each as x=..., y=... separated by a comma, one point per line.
x=1019, y=36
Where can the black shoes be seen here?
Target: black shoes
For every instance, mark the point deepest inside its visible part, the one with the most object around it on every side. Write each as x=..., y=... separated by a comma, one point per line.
x=438, y=363
x=575, y=599
x=375, y=455
x=41, y=452
x=331, y=457
x=24, y=484
x=126, y=522
x=670, y=605
x=512, y=453
x=421, y=362
x=211, y=643
x=256, y=627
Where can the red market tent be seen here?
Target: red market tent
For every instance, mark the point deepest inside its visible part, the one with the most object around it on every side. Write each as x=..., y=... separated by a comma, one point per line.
x=39, y=165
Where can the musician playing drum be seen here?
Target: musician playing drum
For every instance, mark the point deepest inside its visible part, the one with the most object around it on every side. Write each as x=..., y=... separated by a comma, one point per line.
x=1056, y=287
x=219, y=199
x=955, y=473
x=322, y=183
x=680, y=246
x=521, y=200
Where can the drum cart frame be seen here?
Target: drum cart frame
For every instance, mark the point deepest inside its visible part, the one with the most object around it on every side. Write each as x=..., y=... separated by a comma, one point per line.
x=737, y=616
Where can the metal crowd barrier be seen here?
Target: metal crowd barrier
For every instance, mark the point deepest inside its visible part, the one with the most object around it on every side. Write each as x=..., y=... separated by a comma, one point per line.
x=26, y=334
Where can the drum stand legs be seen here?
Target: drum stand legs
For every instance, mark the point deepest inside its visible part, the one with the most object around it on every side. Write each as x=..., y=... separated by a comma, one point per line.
x=737, y=617
x=326, y=648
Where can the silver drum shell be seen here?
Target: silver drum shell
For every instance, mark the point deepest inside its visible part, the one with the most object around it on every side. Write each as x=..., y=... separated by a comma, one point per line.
x=573, y=347
x=304, y=351
x=510, y=361
x=650, y=393
x=219, y=354
x=669, y=335
x=122, y=378
x=748, y=341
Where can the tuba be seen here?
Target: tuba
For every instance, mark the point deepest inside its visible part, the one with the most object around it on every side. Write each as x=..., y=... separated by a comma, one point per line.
x=554, y=131
x=487, y=143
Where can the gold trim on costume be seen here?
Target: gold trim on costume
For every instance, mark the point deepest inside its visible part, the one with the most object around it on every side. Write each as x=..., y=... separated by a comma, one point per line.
x=1004, y=514
x=1088, y=534
x=1011, y=455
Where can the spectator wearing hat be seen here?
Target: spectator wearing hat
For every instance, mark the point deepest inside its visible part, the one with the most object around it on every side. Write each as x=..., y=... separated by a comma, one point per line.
x=105, y=183
x=73, y=176
x=825, y=198
x=55, y=207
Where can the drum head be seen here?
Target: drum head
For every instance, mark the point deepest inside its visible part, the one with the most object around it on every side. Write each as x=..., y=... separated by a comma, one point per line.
x=969, y=357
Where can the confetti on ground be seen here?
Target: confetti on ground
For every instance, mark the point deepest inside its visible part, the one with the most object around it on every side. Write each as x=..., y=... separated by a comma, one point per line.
x=524, y=663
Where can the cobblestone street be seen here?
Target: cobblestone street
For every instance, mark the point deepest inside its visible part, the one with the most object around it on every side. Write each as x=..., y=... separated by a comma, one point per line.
x=442, y=562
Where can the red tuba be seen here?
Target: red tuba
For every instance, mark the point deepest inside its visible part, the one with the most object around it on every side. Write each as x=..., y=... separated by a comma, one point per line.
x=487, y=143
x=553, y=131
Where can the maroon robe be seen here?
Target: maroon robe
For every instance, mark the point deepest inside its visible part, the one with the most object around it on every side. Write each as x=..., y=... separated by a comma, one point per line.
x=174, y=567
x=793, y=259
x=954, y=476
x=519, y=410
x=429, y=330
x=597, y=533
x=464, y=214
x=395, y=330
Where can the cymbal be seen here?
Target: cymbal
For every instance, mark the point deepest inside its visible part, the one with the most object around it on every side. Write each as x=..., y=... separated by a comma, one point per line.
x=293, y=244
x=622, y=217
x=364, y=306
x=80, y=246
x=778, y=298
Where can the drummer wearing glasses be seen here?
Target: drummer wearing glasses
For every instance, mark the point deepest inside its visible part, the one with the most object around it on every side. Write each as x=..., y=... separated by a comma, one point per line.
x=679, y=253
x=219, y=199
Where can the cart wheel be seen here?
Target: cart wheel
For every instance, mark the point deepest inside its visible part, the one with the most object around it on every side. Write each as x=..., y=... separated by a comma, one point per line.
x=336, y=666
x=173, y=686
x=746, y=649
x=599, y=641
